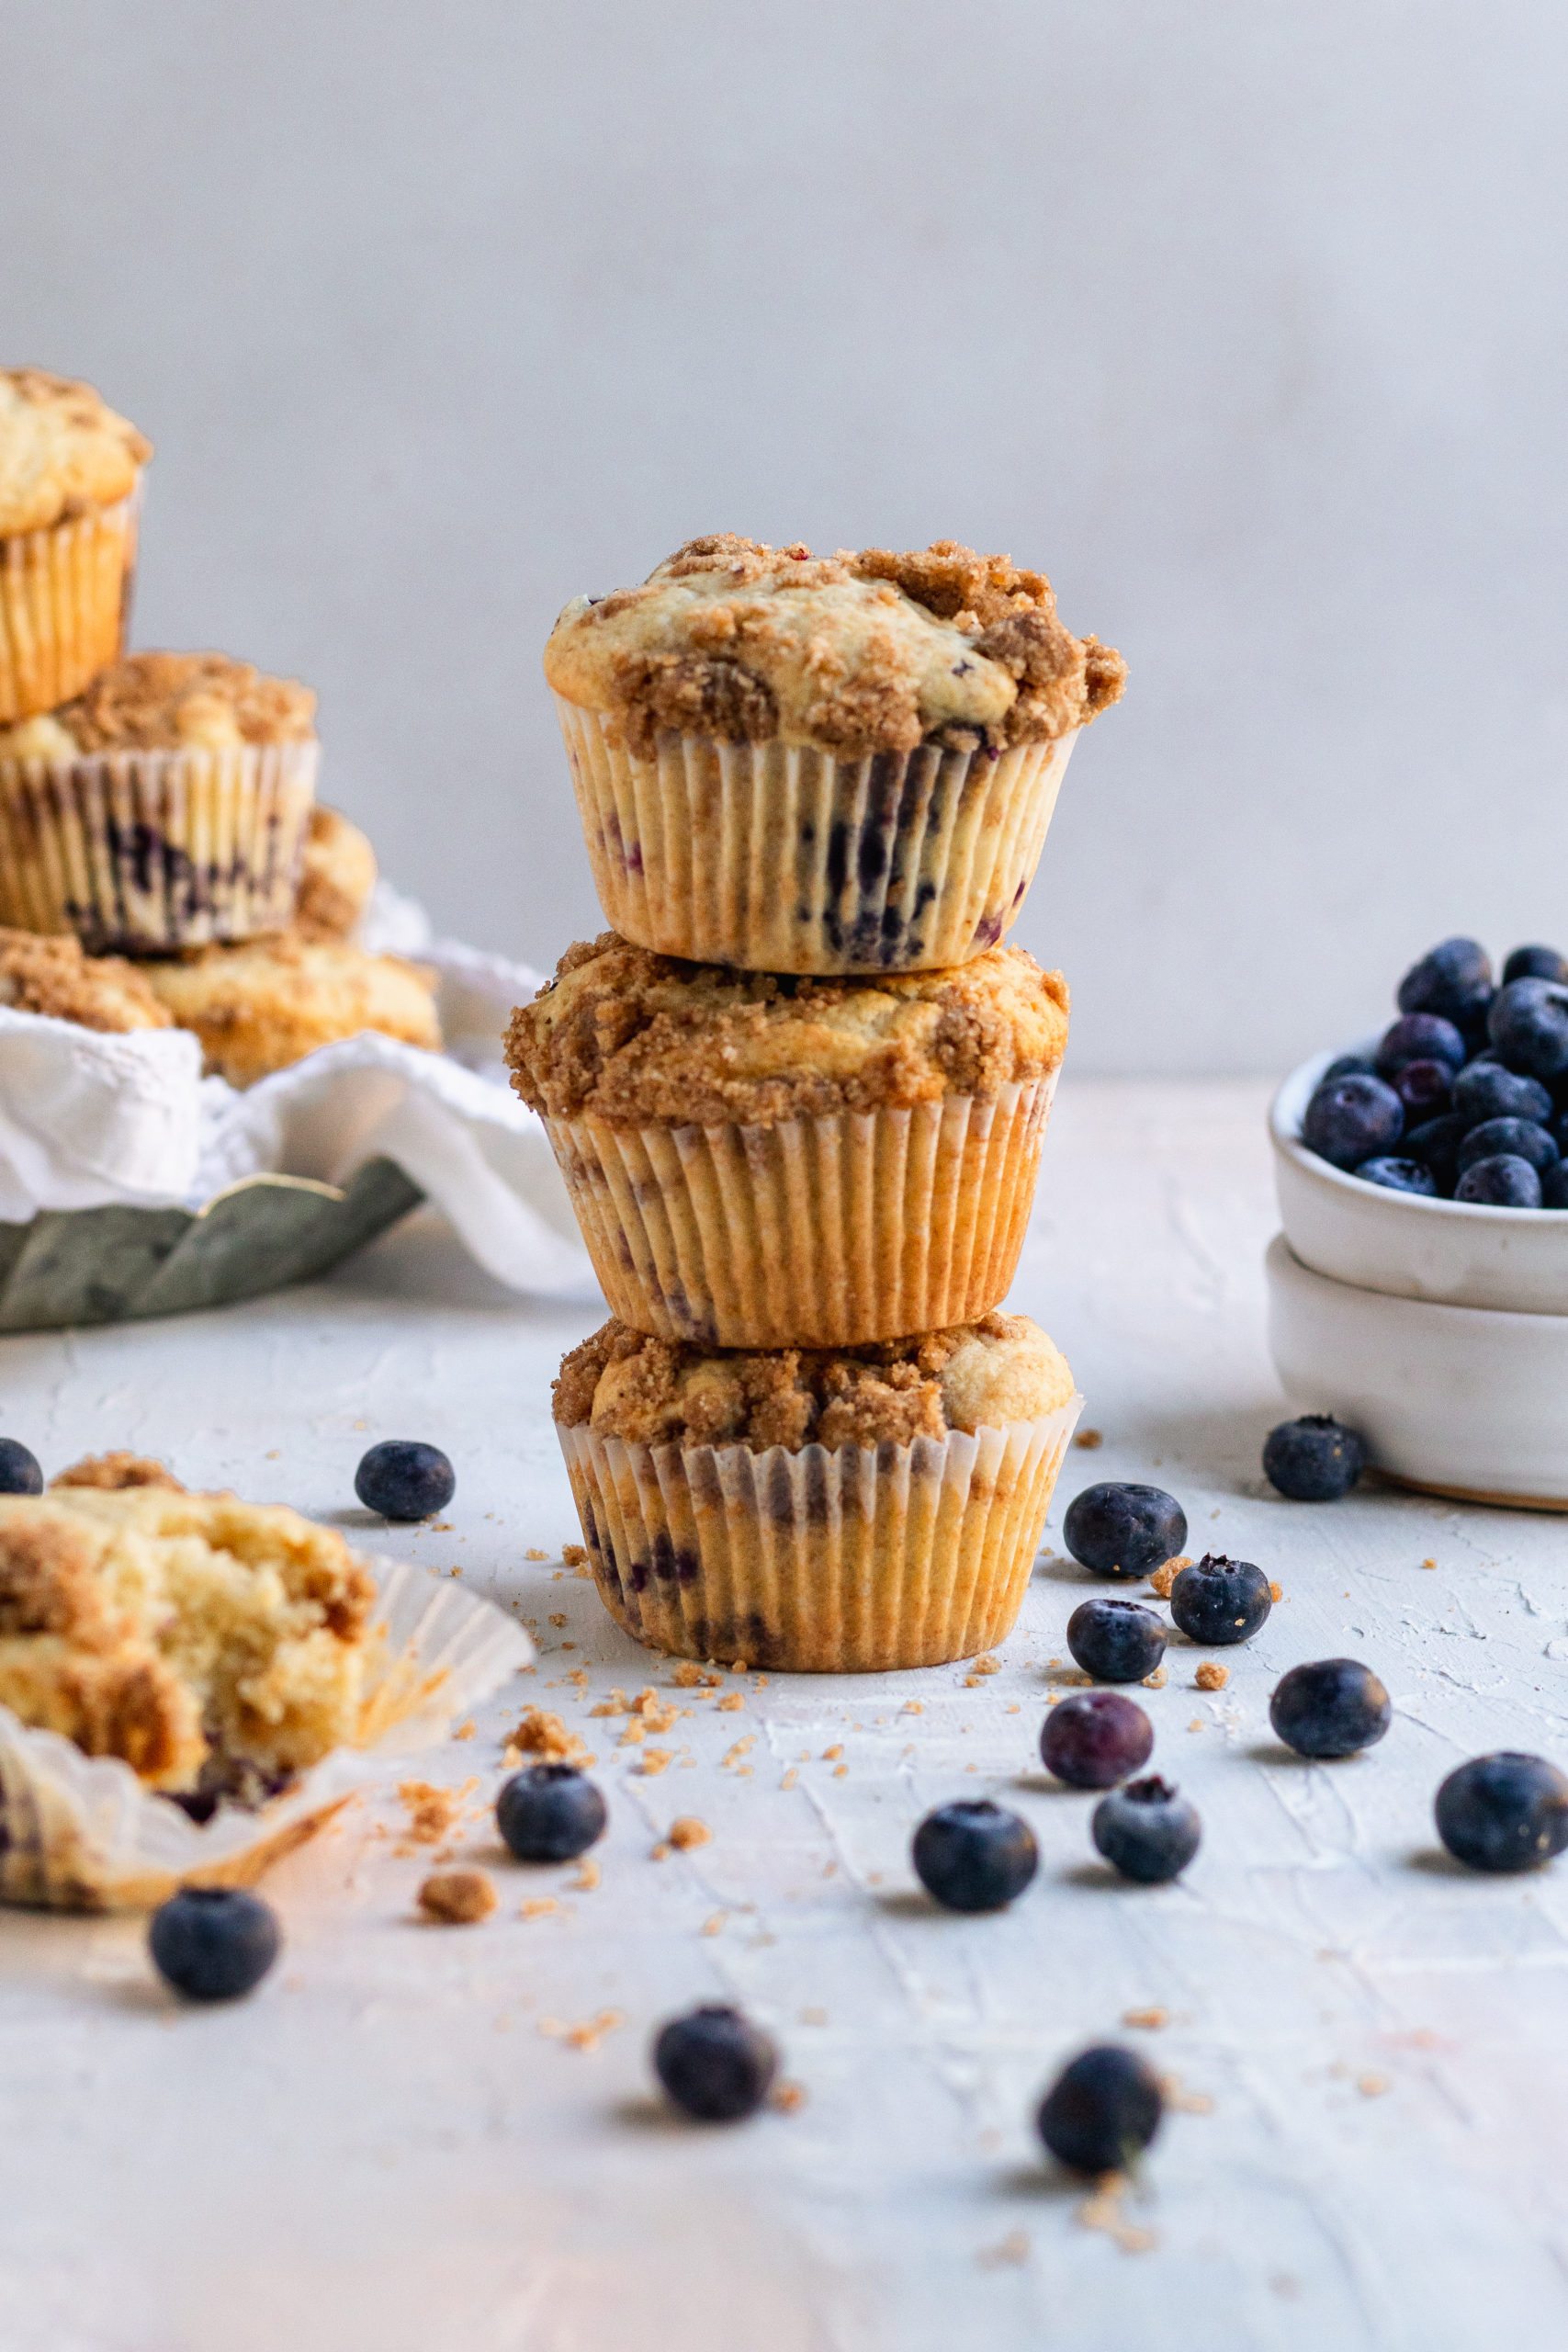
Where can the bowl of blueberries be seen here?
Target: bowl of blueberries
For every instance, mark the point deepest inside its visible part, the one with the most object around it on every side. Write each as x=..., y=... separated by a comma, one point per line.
x=1420, y=1285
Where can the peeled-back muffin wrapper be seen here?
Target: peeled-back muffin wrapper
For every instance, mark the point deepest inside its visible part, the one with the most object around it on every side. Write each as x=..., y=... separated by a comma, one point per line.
x=82, y=1833
x=819, y=1232
x=64, y=604
x=811, y=1562
x=779, y=857
x=156, y=851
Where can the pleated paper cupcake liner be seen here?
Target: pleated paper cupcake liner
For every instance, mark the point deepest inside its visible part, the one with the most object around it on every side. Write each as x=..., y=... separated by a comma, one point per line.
x=852, y=1562
x=817, y=1233
x=64, y=603
x=150, y=852
x=781, y=858
x=82, y=1833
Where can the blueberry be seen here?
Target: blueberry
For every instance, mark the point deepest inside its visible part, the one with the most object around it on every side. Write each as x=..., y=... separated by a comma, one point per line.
x=1351, y=1120
x=1420, y=1037
x=1484, y=1089
x=1528, y=1025
x=20, y=1472
x=1334, y=1707
x=550, y=1813
x=974, y=1855
x=1313, y=1459
x=1217, y=1601
x=1096, y=1738
x=1506, y=1182
x=1349, y=1066
x=1454, y=978
x=1116, y=1641
x=1123, y=1530
x=1554, y=1186
x=1148, y=1831
x=1103, y=2111
x=212, y=1943
x=1400, y=1176
x=1424, y=1088
x=1504, y=1812
x=400, y=1478
x=1515, y=1138
x=715, y=2064
x=1436, y=1144
x=1535, y=963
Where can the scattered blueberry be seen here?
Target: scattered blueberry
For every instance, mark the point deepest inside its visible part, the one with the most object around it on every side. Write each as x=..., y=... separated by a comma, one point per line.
x=1515, y=1138
x=400, y=1478
x=1504, y=1813
x=1506, y=1182
x=1554, y=1186
x=212, y=1943
x=1400, y=1176
x=1336, y=1706
x=1484, y=1089
x=1349, y=1066
x=1535, y=963
x=1420, y=1037
x=1148, y=1831
x=1454, y=978
x=1217, y=1601
x=1424, y=1088
x=1313, y=1459
x=20, y=1472
x=1103, y=2111
x=1436, y=1144
x=1096, y=1738
x=550, y=1813
x=1528, y=1025
x=1116, y=1641
x=1352, y=1120
x=1123, y=1530
x=974, y=1855
x=715, y=2064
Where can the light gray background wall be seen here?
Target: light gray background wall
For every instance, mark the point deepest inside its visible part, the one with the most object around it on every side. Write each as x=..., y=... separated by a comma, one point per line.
x=1245, y=319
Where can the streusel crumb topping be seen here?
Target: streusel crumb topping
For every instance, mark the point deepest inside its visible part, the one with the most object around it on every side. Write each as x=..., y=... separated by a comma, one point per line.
x=170, y=702
x=52, y=975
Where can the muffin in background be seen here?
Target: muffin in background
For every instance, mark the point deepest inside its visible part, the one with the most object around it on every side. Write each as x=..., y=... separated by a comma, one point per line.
x=53, y=977
x=166, y=806
x=260, y=1007
x=816, y=1511
x=70, y=474
x=799, y=765
x=337, y=874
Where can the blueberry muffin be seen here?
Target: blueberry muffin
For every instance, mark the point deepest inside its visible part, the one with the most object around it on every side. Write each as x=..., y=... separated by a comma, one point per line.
x=758, y=1160
x=54, y=977
x=838, y=1510
x=166, y=806
x=821, y=765
x=70, y=471
x=336, y=877
x=264, y=1006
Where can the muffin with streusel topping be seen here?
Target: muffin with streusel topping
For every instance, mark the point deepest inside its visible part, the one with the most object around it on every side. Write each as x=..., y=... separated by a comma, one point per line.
x=54, y=977
x=842, y=1510
x=763, y=1161
x=70, y=472
x=844, y=763
x=165, y=806
x=265, y=1005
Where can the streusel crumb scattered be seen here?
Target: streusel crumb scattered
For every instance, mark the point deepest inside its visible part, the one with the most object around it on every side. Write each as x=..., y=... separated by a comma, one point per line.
x=458, y=1898
x=687, y=1831
x=1164, y=1578
x=432, y=1812
x=1089, y=1440
x=111, y=1473
x=1211, y=1676
x=1147, y=2021
x=545, y=1735
x=1158, y=1679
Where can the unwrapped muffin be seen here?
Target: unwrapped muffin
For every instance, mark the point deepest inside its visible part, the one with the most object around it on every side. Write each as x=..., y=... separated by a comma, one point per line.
x=766, y=1161
x=834, y=764
x=266, y=1006
x=70, y=471
x=54, y=977
x=816, y=1511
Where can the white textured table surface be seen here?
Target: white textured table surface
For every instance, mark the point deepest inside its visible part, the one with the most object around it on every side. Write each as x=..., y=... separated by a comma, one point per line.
x=390, y=2146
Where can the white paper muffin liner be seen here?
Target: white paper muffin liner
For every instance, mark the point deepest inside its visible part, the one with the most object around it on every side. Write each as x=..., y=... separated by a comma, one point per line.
x=819, y=1232
x=852, y=1562
x=781, y=858
x=82, y=1833
x=64, y=604
x=151, y=851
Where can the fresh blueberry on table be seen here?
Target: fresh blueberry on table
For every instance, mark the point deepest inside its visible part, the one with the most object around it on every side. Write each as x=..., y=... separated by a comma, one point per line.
x=1435, y=1145
x=974, y=1855
x=1217, y=1601
x=1554, y=1186
x=401, y=1479
x=1333, y=1706
x=1528, y=1025
x=715, y=2064
x=1484, y=1089
x=1420, y=1037
x=1120, y=1530
x=1352, y=1120
x=1096, y=1738
x=1313, y=1459
x=1505, y=1811
x=1148, y=1830
x=1116, y=1641
x=1425, y=1089
x=1535, y=963
x=550, y=1813
x=1510, y=1138
x=1400, y=1176
x=1454, y=979
x=212, y=1943
x=1103, y=2111
x=1504, y=1182
x=19, y=1471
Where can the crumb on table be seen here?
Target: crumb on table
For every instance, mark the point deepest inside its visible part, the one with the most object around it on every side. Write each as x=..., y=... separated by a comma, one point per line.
x=1089, y=1440
x=1277, y=1592
x=433, y=1812
x=686, y=1831
x=458, y=1898
x=545, y=1735
x=1211, y=1676
x=1164, y=1578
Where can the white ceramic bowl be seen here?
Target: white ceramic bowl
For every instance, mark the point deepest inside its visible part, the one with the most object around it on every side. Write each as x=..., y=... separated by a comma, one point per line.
x=1455, y=1252
x=1460, y=1400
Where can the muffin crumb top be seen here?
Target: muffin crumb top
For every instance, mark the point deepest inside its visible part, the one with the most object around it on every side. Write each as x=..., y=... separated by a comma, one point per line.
x=264, y=1003
x=63, y=450
x=170, y=702
x=52, y=975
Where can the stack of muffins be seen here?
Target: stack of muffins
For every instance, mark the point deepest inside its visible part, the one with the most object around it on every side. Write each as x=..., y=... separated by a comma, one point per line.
x=798, y=1095
x=160, y=806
